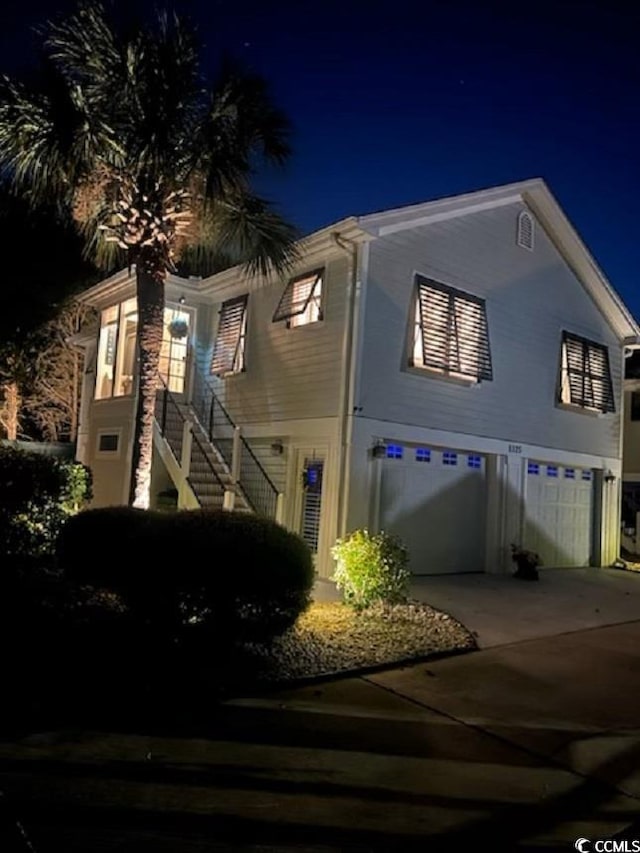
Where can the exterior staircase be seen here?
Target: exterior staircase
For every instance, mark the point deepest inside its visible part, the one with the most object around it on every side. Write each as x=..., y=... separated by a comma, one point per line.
x=211, y=466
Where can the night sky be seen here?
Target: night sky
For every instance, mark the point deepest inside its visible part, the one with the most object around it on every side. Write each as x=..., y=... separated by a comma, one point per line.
x=398, y=102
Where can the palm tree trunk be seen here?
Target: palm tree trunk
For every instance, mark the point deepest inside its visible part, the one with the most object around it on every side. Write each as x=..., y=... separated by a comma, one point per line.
x=11, y=410
x=150, y=292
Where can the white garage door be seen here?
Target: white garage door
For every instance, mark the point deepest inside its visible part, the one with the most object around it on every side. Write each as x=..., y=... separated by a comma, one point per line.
x=559, y=514
x=435, y=501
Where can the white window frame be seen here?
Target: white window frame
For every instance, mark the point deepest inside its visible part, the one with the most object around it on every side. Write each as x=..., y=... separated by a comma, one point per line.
x=108, y=454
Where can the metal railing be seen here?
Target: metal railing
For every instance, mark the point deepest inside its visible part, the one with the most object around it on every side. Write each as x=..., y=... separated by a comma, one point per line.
x=224, y=434
x=166, y=408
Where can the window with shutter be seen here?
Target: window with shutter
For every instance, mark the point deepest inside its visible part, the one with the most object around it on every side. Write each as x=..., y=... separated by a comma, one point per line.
x=229, y=349
x=301, y=302
x=585, y=379
x=525, y=236
x=451, y=335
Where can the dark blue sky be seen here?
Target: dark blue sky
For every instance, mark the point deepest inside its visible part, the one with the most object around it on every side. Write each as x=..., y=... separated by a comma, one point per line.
x=399, y=102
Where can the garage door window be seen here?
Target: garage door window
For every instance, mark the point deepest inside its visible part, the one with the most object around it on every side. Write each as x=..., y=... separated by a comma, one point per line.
x=474, y=462
x=450, y=333
x=394, y=451
x=449, y=458
x=552, y=471
x=423, y=454
x=569, y=473
x=533, y=468
x=586, y=475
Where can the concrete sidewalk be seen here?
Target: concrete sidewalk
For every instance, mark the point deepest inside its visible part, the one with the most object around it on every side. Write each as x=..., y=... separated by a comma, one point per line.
x=521, y=746
x=526, y=746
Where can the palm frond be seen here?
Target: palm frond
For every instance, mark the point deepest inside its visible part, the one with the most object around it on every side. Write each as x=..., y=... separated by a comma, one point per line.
x=246, y=230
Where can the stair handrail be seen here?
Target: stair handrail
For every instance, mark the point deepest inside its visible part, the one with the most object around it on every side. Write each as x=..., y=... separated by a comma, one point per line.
x=208, y=416
x=168, y=398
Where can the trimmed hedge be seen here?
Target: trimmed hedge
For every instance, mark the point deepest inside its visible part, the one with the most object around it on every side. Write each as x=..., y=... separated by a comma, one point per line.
x=38, y=493
x=192, y=574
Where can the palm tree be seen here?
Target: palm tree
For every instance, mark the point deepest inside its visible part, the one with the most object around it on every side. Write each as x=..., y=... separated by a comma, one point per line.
x=151, y=162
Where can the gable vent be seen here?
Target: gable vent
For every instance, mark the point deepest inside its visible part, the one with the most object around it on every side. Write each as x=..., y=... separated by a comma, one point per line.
x=526, y=224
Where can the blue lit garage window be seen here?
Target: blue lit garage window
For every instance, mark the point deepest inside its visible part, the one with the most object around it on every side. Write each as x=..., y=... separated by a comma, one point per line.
x=533, y=468
x=394, y=451
x=586, y=475
x=474, y=462
x=449, y=457
x=552, y=470
x=570, y=473
x=423, y=454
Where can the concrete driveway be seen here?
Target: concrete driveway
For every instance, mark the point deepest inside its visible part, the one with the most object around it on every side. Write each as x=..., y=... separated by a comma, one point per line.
x=499, y=609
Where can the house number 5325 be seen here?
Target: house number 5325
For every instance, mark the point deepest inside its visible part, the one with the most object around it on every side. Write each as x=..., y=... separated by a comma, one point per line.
x=515, y=448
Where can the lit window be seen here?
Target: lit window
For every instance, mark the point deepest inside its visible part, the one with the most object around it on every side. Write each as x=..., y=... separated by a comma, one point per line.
x=570, y=473
x=116, y=366
x=449, y=457
x=474, y=462
x=552, y=471
x=423, y=454
x=126, y=360
x=450, y=336
x=533, y=468
x=300, y=304
x=526, y=232
x=586, y=475
x=394, y=451
x=107, y=352
x=229, y=349
x=585, y=379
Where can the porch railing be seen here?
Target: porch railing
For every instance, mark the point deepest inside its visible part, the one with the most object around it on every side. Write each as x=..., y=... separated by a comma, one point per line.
x=245, y=467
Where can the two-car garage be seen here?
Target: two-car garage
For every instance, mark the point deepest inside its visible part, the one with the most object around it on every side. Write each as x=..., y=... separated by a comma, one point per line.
x=436, y=500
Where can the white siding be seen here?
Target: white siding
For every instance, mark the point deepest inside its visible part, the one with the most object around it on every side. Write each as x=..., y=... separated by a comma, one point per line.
x=530, y=297
x=290, y=373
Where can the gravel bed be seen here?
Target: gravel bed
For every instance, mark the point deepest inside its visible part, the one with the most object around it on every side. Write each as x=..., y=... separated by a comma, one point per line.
x=332, y=638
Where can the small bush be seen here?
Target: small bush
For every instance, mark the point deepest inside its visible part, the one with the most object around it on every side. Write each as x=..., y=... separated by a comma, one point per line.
x=39, y=493
x=192, y=574
x=371, y=569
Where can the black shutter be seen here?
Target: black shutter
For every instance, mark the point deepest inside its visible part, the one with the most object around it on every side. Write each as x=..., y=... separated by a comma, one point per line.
x=455, y=333
x=586, y=364
x=230, y=336
x=297, y=295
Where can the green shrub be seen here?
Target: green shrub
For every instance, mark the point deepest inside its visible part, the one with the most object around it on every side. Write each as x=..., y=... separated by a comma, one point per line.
x=371, y=568
x=38, y=494
x=192, y=574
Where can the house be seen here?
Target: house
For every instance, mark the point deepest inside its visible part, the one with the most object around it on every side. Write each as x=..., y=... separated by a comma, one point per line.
x=450, y=371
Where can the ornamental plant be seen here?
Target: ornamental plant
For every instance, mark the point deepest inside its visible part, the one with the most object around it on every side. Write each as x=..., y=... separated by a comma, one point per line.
x=371, y=568
x=39, y=493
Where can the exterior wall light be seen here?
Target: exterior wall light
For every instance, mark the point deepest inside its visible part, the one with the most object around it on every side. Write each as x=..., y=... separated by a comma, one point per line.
x=379, y=450
x=277, y=448
x=609, y=476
